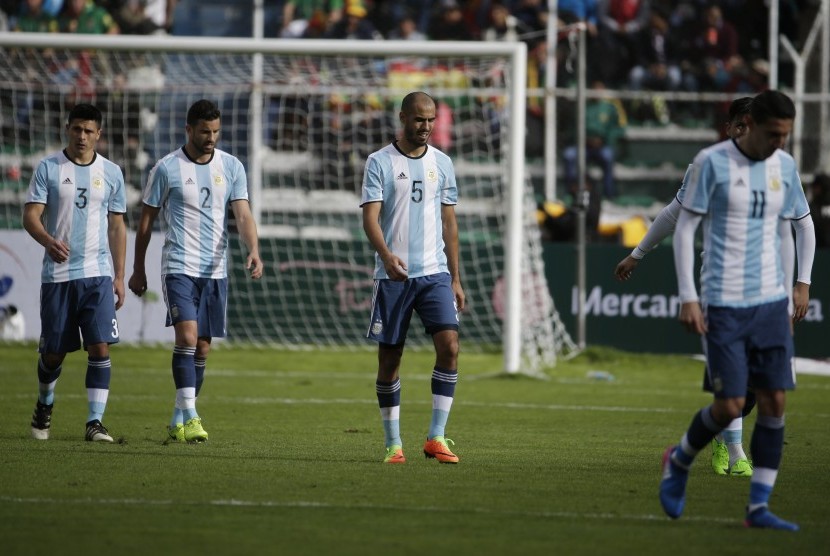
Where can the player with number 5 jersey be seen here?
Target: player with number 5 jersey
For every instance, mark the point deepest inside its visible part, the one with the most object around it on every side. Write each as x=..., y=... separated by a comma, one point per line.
x=408, y=199
x=75, y=209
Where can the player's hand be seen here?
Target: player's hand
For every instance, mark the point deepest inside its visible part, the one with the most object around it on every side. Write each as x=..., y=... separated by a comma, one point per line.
x=460, y=297
x=691, y=317
x=625, y=267
x=254, y=265
x=801, y=301
x=396, y=269
x=57, y=250
x=118, y=290
x=138, y=283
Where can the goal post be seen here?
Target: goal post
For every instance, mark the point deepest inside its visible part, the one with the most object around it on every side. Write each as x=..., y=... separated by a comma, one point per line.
x=302, y=115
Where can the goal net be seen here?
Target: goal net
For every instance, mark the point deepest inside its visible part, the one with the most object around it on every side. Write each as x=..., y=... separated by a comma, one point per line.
x=303, y=122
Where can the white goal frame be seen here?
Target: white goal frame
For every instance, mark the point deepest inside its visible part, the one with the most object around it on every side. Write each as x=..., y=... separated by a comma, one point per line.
x=516, y=52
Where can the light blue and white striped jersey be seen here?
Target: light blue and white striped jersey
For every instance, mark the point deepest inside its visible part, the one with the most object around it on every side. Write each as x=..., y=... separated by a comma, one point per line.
x=412, y=191
x=681, y=193
x=78, y=201
x=194, y=201
x=742, y=201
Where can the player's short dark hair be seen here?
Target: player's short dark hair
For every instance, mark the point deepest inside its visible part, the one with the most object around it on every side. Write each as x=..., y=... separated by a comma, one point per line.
x=85, y=112
x=409, y=101
x=771, y=104
x=202, y=110
x=739, y=107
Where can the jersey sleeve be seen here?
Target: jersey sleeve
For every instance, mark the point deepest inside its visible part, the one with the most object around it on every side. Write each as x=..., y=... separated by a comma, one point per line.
x=157, y=186
x=239, y=181
x=372, y=189
x=39, y=185
x=795, y=202
x=449, y=190
x=699, y=184
x=118, y=198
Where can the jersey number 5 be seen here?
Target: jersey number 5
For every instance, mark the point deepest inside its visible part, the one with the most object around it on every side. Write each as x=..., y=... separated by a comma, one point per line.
x=417, y=191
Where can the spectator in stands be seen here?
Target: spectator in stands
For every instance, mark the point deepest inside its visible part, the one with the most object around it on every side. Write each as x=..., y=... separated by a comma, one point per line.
x=132, y=19
x=574, y=11
x=354, y=25
x=502, y=25
x=34, y=18
x=715, y=50
x=657, y=56
x=620, y=22
x=532, y=16
x=820, y=208
x=605, y=123
x=449, y=24
x=161, y=12
x=407, y=30
x=83, y=16
x=298, y=16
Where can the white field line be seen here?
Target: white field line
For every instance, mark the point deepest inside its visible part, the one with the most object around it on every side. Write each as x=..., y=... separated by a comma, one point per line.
x=373, y=402
x=311, y=504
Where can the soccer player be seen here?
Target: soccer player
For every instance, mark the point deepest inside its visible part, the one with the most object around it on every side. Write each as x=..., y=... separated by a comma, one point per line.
x=75, y=209
x=728, y=456
x=739, y=190
x=192, y=187
x=408, y=198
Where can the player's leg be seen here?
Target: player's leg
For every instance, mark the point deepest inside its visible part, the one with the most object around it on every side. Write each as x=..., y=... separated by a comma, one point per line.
x=677, y=460
x=772, y=375
x=436, y=307
x=200, y=362
x=388, y=389
x=738, y=463
x=728, y=371
x=99, y=328
x=720, y=454
x=181, y=294
x=58, y=335
x=391, y=312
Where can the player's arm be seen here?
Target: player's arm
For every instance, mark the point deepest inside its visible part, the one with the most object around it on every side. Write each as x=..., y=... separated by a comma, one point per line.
x=247, y=231
x=117, y=236
x=138, y=281
x=805, y=248
x=450, y=235
x=57, y=249
x=684, y=260
x=660, y=229
x=395, y=267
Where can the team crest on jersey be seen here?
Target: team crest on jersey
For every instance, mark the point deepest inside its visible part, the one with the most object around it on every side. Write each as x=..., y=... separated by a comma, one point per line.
x=431, y=175
x=377, y=327
x=97, y=182
x=775, y=184
x=218, y=180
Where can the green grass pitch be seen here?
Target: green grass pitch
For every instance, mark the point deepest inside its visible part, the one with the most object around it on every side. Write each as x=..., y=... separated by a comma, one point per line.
x=567, y=465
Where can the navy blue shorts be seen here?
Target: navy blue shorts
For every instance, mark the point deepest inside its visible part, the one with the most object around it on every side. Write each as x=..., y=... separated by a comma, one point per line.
x=204, y=300
x=83, y=307
x=393, y=302
x=749, y=347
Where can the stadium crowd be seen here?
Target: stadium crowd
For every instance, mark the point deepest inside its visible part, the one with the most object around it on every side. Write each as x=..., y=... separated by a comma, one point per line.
x=652, y=44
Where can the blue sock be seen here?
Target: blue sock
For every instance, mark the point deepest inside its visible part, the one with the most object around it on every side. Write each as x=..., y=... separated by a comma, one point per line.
x=199, y=366
x=701, y=431
x=184, y=377
x=766, y=447
x=98, y=372
x=389, y=400
x=46, y=382
x=443, y=391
